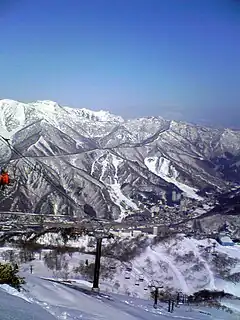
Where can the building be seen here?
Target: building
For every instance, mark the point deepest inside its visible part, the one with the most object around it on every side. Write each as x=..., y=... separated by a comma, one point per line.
x=174, y=196
x=225, y=240
x=155, y=231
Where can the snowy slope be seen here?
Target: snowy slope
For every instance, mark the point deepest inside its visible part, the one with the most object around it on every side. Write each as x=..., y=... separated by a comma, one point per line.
x=182, y=264
x=13, y=307
x=162, y=167
x=49, y=300
x=112, y=163
x=179, y=263
x=67, y=303
x=161, y=267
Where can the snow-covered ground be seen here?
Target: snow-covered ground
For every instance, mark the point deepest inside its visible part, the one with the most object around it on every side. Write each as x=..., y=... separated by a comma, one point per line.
x=125, y=204
x=15, y=308
x=180, y=264
x=163, y=168
x=46, y=300
x=183, y=264
x=56, y=240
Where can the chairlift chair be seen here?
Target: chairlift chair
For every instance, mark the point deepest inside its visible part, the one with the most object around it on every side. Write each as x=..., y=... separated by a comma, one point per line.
x=112, y=267
x=141, y=278
x=4, y=177
x=127, y=276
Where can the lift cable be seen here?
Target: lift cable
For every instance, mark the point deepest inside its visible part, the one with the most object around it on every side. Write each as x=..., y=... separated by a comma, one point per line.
x=46, y=177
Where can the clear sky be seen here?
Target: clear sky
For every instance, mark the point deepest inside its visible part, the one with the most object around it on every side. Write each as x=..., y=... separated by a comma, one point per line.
x=175, y=58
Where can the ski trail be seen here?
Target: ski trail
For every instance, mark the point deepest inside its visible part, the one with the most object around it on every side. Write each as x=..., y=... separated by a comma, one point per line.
x=116, y=162
x=104, y=167
x=162, y=256
x=196, y=251
x=92, y=169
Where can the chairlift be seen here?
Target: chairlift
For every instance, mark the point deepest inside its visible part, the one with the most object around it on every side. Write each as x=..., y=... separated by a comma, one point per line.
x=112, y=267
x=151, y=285
x=4, y=179
x=127, y=276
x=141, y=278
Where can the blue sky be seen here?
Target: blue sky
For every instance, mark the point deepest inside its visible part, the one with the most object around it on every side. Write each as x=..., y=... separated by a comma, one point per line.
x=175, y=58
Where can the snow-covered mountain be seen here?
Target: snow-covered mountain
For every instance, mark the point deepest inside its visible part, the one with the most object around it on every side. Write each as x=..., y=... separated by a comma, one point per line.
x=75, y=158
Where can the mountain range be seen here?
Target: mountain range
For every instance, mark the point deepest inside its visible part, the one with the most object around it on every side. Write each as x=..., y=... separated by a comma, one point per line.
x=93, y=163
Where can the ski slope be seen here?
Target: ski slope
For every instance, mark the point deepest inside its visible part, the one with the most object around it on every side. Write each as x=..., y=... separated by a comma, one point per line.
x=179, y=262
x=47, y=300
x=177, y=273
x=13, y=307
x=163, y=168
x=160, y=263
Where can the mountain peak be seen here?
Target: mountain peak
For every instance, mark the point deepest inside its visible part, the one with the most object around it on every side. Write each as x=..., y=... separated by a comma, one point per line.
x=101, y=115
x=46, y=106
x=47, y=102
x=9, y=102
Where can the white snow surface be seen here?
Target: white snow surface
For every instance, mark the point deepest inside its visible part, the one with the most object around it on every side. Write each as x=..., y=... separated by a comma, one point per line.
x=18, y=114
x=181, y=263
x=53, y=300
x=116, y=194
x=61, y=301
x=14, y=307
x=102, y=115
x=162, y=167
x=114, y=162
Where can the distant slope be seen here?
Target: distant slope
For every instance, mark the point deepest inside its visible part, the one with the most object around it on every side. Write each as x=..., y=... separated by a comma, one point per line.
x=183, y=264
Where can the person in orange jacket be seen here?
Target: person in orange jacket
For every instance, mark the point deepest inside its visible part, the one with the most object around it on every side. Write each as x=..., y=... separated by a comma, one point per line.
x=4, y=179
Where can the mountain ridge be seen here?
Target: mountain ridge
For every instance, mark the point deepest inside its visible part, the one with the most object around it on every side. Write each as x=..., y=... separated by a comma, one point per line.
x=140, y=161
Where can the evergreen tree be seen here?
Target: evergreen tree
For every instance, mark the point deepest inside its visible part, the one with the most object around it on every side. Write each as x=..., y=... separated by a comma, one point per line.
x=9, y=275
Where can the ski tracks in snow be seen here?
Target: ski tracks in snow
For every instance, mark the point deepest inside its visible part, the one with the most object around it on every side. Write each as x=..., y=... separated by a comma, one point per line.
x=162, y=256
x=210, y=273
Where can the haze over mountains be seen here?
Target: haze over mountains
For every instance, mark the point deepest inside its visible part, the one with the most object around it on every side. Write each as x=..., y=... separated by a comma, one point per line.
x=102, y=165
